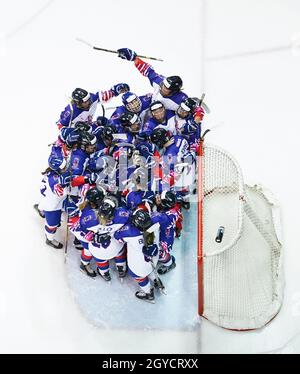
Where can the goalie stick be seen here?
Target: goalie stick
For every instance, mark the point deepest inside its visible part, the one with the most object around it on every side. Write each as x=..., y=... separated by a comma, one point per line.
x=112, y=51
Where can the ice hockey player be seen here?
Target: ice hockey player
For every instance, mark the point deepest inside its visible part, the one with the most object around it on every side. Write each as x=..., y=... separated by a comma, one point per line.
x=125, y=130
x=166, y=216
x=99, y=231
x=84, y=104
x=140, y=195
x=188, y=121
x=134, y=104
x=107, y=137
x=80, y=176
x=88, y=214
x=105, y=167
x=177, y=163
x=161, y=118
x=54, y=189
x=166, y=89
x=62, y=148
x=131, y=123
x=69, y=138
x=79, y=159
x=141, y=257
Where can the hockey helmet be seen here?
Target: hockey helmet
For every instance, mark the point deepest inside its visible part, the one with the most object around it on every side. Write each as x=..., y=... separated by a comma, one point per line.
x=141, y=219
x=173, y=83
x=107, y=134
x=95, y=196
x=132, y=121
x=81, y=97
x=87, y=142
x=82, y=126
x=58, y=164
x=187, y=107
x=168, y=200
x=132, y=102
x=107, y=209
x=160, y=137
x=102, y=121
x=158, y=110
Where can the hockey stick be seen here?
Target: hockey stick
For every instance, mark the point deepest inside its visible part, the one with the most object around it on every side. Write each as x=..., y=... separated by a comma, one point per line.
x=149, y=239
x=205, y=107
x=160, y=285
x=202, y=103
x=66, y=239
x=103, y=110
x=205, y=132
x=112, y=51
x=67, y=217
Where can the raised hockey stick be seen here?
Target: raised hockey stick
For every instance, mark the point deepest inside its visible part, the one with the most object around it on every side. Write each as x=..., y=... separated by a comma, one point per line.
x=112, y=51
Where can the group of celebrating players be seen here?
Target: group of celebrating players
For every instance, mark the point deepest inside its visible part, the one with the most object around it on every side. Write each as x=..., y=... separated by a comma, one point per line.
x=123, y=181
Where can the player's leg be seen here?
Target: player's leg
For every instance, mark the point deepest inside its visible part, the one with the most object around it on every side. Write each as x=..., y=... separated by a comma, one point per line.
x=52, y=221
x=120, y=261
x=146, y=292
x=71, y=208
x=103, y=269
x=166, y=261
x=86, y=258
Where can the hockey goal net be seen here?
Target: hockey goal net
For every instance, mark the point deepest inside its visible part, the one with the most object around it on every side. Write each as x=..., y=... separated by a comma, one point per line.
x=239, y=253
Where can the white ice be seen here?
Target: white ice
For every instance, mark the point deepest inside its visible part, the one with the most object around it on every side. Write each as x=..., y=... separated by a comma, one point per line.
x=255, y=114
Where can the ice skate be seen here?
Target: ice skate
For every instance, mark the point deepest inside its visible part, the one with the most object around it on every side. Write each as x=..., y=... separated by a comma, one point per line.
x=158, y=284
x=77, y=244
x=149, y=297
x=186, y=205
x=177, y=232
x=106, y=276
x=121, y=272
x=40, y=212
x=54, y=243
x=87, y=270
x=165, y=269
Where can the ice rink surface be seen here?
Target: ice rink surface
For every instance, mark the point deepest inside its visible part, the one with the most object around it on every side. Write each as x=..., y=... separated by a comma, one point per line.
x=244, y=54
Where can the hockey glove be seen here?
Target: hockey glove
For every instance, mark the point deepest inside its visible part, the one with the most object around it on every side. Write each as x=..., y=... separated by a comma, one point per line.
x=198, y=114
x=92, y=178
x=101, y=121
x=120, y=88
x=126, y=54
x=102, y=239
x=72, y=138
x=150, y=250
x=89, y=236
x=64, y=132
x=65, y=179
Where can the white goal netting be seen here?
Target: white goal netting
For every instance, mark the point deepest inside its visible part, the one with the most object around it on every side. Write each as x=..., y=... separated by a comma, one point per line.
x=242, y=278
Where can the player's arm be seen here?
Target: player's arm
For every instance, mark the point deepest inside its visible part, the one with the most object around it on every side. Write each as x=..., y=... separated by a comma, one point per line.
x=88, y=178
x=65, y=118
x=122, y=234
x=143, y=67
x=116, y=90
x=59, y=185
